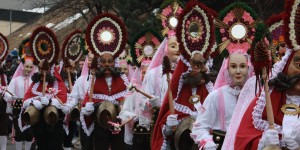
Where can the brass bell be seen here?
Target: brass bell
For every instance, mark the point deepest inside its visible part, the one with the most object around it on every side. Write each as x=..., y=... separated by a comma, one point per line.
x=31, y=116
x=51, y=115
x=134, y=129
x=218, y=138
x=141, y=130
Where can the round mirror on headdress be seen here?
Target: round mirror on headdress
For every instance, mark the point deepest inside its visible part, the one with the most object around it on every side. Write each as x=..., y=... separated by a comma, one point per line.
x=291, y=24
x=277, y=45
x=169, y=14
x=44, y=45
x=106, y=33
x=24, y=50
x=72, y=46
x=195, y=31
x=145, y=45
x=235, y=27
x=3, y=47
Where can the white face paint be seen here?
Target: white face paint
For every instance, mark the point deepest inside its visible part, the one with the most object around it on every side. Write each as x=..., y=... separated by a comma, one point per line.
x=28, y=66
x=237, y=69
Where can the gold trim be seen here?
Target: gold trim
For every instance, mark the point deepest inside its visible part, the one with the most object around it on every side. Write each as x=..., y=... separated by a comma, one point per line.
x=192, y=97
x=290, y=106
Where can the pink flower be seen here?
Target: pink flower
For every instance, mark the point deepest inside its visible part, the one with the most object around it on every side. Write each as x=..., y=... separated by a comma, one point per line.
x=222, y=30
x=241, y=47
x=248, y=17
x=228, y=18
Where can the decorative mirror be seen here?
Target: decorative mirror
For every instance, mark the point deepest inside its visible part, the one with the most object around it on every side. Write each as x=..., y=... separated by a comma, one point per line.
x=106, y=36
x=169, y=16
x=238, y=31
x=194, y=30
x=173, y=21
x=149, y=50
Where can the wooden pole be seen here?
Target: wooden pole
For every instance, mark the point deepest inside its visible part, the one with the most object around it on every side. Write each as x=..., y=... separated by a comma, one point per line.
x=44, y=82
x=142, y=92
x=70, y=80
x=269, y=108
x=170, y=96
x=92, y=85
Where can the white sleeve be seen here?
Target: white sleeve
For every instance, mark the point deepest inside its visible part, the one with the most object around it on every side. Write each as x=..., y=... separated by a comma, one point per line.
x=206, y=119
x=149, y=86
x=128, y=108
x=11, y=88
x=71, y=102
x=75, y=94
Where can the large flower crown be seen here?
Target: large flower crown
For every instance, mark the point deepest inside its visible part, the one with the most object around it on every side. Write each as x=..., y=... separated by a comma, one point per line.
x=106, y=33
x=195, y=30
x=169, y=14
x=44, y=45
x=275, y=24
x=24, y=50
x=72, y=46
x=235, y=28
x=144, y=46
x=291, y=24
x=3, y=47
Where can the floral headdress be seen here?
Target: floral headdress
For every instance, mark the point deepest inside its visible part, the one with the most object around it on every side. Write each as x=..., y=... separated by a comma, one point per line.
x=106, y=33
x=291, y=24
x=125, y=56
x=72, y=46
x=275, y=24
x=195, y=30
x=44, y=45
x=235, y=28
x=169, y=14
x=3, y=47
x=24, y=50
x=144, y=46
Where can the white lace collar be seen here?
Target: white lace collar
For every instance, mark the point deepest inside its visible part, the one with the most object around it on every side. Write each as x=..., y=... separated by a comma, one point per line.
x=293, y=99
x=235, y=91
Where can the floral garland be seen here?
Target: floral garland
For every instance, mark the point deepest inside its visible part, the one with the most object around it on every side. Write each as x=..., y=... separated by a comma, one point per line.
x=3, y=47
x=71, y=46
x=144, y=46
x=116, y=27
x=42, y=36
x=204, y=40
x=228, y=21
x=173, y=9
x=290, y=25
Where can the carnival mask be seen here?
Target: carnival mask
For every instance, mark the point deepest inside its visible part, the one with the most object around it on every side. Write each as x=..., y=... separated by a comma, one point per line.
x=294, y=70
x=237, y=69
x=28, y=66
x=90, y=58
x=124, y=69
x=173, y=49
